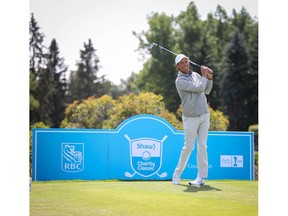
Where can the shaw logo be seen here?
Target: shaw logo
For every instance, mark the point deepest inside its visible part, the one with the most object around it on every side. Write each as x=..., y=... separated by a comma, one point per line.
x=231, y=161
x=72, y=157
x=145, y=157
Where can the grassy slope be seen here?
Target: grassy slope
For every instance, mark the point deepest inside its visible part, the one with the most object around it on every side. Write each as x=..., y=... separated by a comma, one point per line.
x=143, y=198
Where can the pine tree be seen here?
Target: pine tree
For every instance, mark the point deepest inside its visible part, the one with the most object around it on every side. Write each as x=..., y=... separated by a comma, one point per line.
x=57, y=69
x=36, y=47
x=84, y=81
x=36, y=65
x=235, y=92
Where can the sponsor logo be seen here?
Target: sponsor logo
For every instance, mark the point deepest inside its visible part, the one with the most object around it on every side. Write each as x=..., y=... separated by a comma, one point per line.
x=145, y=157
x=195, y=166
x=72, y=157
x=231, y=161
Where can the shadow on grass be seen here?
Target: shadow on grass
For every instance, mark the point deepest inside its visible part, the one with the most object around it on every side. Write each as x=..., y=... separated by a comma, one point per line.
x=193, y=189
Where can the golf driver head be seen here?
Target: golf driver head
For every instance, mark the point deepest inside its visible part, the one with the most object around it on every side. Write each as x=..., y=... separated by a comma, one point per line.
x=151, y=45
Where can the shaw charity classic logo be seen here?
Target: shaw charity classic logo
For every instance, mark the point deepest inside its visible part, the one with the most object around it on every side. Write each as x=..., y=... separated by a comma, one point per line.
x=145, y=157
x=72, y=157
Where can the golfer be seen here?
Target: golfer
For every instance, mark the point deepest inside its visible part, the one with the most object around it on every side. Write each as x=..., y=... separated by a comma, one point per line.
x=192, y=88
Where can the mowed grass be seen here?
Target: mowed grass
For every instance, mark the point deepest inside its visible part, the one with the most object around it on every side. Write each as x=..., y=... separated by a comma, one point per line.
x=143, y=198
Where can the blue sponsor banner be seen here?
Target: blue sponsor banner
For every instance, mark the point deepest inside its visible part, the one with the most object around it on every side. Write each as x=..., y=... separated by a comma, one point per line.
x=143, y=147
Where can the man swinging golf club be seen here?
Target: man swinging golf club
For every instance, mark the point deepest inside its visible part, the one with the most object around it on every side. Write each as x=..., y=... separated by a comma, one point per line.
x=192, y=88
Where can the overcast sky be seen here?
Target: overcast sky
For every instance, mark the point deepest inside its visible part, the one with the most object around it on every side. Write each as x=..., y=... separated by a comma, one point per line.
x=109, y=24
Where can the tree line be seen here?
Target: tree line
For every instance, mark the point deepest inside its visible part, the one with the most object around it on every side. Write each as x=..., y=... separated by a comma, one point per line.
x=227, y=44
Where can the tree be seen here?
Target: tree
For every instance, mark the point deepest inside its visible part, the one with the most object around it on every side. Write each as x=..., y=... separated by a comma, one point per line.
x=253, y=73
x=159, y=72
x=189, y=31
x=235, y=91
x=249, y=29
x=85, y=82
x=52, y=88
x=57, y=69
x=36, y=47
x=36, y=66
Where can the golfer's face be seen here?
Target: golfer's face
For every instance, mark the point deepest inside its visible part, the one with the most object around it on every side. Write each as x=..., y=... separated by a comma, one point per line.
x=183, y=65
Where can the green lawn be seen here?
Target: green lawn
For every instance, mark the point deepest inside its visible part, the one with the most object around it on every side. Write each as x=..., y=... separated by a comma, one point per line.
x=143, y=198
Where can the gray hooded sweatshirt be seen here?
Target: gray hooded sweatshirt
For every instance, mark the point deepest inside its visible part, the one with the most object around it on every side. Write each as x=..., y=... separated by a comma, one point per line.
x=192, y=89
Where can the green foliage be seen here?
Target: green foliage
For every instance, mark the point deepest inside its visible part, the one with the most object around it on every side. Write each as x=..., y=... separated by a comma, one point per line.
x=143, y=103
x=256, y=168
x=235, y=83
x=47, y=79
x=84, y=81
x=234, y=92
x=218, y=121
x=253, y=128
x=105, y=112
x=90, y=113
x=159, y=74
x=35, y=125
x=34, y=103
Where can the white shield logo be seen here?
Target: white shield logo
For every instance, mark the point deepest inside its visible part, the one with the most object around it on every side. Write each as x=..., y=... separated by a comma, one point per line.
x=145, y=156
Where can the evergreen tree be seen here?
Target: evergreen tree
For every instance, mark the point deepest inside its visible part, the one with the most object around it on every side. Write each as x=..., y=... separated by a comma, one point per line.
x=209, y=56
x=235, y=91
x=36, y=47
x=57, y=69
x=253, y=80
x=85, y=81
x=36, y=66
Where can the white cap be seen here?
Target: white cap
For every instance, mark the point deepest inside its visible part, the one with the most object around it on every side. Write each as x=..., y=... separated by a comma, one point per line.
x=179, y=57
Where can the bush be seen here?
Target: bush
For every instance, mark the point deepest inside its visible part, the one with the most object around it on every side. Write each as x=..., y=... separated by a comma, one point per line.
x=36, y=125
x=218, y=122
x=144, y=103
x=91, y=113
x=104, y=112
x=254, y=128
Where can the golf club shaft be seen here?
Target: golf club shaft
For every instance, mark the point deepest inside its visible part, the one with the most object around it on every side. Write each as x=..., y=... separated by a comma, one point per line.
x=161, y=47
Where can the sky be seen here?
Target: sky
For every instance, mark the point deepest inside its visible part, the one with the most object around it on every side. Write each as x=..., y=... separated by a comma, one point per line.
x=109, y=24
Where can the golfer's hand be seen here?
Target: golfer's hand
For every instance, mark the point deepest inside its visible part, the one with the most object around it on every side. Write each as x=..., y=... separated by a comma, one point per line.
x=204, y=70
x=209, y=75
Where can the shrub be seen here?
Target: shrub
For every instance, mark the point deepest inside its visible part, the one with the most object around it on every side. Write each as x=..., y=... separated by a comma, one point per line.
x=144, y=103
x=104, y=112
x=36, y=125
x=218, y=122
x=90, y=113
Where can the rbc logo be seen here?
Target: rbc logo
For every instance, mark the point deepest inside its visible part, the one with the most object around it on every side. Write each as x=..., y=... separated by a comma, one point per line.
x=72, y=157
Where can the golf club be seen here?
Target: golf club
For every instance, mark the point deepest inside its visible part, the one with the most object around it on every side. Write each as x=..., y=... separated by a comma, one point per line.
x=128, y=174
x=164, y=174
x=150, y=46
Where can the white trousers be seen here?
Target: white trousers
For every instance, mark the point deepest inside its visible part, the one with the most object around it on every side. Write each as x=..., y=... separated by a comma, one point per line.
x=195, y=127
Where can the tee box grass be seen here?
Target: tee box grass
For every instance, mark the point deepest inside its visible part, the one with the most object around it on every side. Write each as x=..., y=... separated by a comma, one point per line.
x=229, y=197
